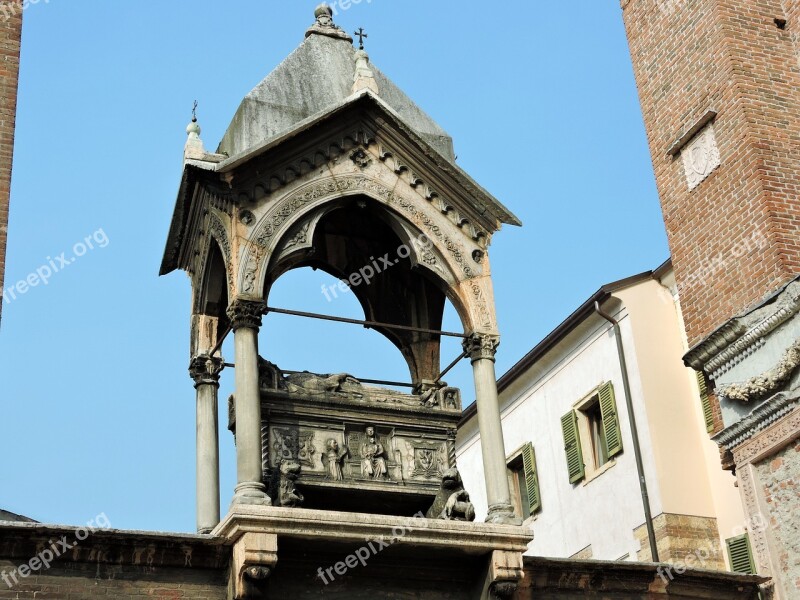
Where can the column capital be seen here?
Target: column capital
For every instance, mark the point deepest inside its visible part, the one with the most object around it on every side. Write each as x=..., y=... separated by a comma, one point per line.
x=205, y=369
x=246, y=313
x=481, y=346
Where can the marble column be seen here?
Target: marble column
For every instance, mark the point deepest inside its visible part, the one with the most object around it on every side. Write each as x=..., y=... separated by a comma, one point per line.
x=205, y=371
x=245, y=318
x=481, y=349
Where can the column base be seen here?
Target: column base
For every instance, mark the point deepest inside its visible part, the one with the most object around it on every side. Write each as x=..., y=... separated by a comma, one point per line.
x=503, y=514
x=251, y=493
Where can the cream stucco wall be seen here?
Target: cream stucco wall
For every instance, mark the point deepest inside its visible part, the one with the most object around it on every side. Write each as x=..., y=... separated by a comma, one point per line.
x=681, y=463
x=725, y=497
x=602, y=512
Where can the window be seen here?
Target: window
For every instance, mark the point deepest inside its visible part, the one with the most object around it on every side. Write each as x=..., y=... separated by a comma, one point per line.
x=524, y=482
x=741, y=555
x=592, y=434
x=597, y=435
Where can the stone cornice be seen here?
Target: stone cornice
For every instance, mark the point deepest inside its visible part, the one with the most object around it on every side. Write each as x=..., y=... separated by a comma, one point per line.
x=758, y=420
x=302, y=523
x=740, y=334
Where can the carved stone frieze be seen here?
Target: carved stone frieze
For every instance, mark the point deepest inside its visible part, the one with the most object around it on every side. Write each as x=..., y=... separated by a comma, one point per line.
x=767, y=383
x=427, y=460
x=769, y=440
x=334, y=455
x=758, y=536
x=293, y=445
x=272, y=223
x=324, y=153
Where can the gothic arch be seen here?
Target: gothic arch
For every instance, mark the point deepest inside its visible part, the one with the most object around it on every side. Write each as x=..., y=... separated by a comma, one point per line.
x=465, y=278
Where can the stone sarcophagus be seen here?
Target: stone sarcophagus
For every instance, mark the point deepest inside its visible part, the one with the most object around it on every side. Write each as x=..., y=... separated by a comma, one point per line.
x=330, y=442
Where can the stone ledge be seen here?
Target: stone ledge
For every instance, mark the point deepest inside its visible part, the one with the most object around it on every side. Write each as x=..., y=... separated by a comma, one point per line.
x=298, y=523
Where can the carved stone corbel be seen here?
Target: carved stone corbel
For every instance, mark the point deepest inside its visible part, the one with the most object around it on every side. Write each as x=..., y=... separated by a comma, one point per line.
x=254, y=558
x=505, y=573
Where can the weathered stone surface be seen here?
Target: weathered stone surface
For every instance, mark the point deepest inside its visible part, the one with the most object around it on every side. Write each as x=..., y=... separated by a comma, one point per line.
x=316, y=77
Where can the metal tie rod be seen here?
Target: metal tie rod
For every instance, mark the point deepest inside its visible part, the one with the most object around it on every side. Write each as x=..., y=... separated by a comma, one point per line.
x=367, y=324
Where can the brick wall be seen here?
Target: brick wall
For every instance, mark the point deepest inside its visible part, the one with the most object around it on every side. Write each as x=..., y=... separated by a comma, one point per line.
x=86, y=581
x=10, y=32
x=682, y=539
x=692, y=56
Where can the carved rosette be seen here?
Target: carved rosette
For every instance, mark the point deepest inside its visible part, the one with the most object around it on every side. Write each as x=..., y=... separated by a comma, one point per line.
x=205, y=370
x=480, y=346
x=246, y=313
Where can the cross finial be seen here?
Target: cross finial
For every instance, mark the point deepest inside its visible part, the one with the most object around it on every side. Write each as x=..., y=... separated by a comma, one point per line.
x=194, y=112
x=361, y=35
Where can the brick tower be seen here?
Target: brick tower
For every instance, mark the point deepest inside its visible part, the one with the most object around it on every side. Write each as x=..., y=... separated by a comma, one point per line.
x=10, y=31
x=719, y=85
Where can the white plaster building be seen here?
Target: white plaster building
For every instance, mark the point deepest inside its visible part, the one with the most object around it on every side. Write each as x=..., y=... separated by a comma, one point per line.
x=558, y=388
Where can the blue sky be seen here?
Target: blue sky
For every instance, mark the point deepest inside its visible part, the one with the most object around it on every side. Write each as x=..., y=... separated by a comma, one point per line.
x=98, y=409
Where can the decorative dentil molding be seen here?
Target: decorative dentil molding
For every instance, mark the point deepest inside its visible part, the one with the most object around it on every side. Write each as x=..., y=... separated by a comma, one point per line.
x=762, y=417
x=397, y=164
x=740, y=334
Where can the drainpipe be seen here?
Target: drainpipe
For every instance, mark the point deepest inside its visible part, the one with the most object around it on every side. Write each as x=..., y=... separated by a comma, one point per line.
x=637, y=450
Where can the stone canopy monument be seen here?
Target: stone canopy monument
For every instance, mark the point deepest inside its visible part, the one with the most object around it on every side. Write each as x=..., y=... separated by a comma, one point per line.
x=327, y=164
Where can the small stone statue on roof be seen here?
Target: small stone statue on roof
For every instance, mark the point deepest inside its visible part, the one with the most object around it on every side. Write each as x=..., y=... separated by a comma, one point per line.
x=324, y=24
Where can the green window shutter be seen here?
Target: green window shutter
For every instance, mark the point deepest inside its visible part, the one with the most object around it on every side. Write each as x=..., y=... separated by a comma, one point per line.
x=706, y=401
x=741, y=555
x=531, y=478
x=572, y=447
x=608, y=409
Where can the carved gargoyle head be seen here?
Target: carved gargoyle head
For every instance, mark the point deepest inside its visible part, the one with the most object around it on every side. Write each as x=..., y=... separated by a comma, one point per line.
x=290, y=469
x=451, y=479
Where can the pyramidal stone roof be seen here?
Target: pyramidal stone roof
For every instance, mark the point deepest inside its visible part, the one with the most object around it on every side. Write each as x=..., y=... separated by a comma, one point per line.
x=315, y=78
